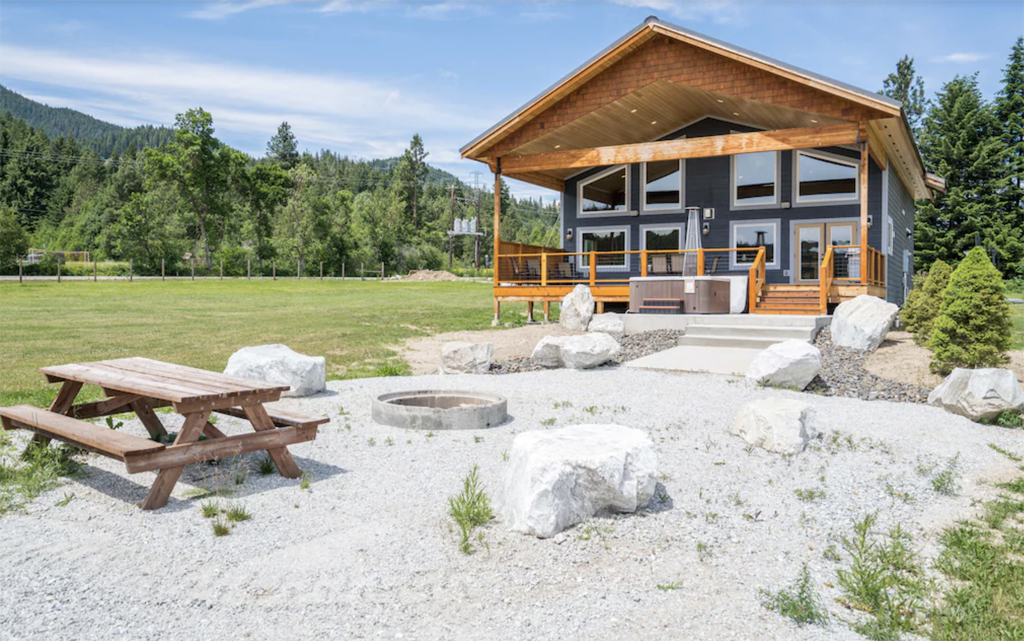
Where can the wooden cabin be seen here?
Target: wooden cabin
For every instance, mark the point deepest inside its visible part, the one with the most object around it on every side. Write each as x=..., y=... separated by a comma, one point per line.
x=803, y=186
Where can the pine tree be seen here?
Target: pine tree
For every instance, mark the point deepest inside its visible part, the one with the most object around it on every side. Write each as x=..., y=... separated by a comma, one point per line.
x=925, y=300
x=283, y=147
x=411, y=170
x=907, y=87
x=960, y=141
x=1009, y=107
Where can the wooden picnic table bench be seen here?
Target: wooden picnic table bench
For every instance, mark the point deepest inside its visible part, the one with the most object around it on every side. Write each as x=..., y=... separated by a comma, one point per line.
x=140, y=385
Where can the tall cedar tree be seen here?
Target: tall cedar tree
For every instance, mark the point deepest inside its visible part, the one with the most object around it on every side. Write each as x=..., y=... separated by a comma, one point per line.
x=960, y=140
x=1009, y=108
x=283, y=147
x=907, y=87
x=411, y=170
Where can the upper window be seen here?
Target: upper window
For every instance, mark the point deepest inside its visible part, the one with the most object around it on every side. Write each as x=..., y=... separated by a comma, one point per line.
x=825, y=178
x=662, y=238
x=753, y=234
x=663, y=185
x=610, y=247
x=605, y=193
x=755, y=179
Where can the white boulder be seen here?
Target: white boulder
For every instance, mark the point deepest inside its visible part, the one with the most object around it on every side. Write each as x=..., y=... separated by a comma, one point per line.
x=466, y=358
x=576, y=352
x=792, y=363
x=862, y=323
x=780, y=425
x=280, y=365
x=577, y=309
x=979, y=393
x=557, y=478
x=611, y=324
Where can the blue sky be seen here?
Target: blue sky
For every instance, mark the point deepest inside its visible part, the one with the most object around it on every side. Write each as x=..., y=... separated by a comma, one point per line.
x=360, y=77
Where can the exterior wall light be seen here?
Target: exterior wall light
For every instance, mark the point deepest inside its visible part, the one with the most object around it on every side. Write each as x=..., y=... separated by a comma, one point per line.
x=705, y=228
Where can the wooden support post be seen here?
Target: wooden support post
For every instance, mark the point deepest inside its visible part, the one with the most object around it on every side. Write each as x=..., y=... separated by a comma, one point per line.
x=273, y=269
x=162, y=269
x=497, y=311
x=58, y=270
x=257, y=415
x=863, y=178
x=362, y=271
x=19, y=270
x=95, y=271
x=497, y=233
x=192, y=267
x=643, y=262
x=342, y=270
x=593, y=268
x=222, y=269
x=600, y=307
x=321, y=270
x=131, y=269
x=298, y=269
x=248, y=268
x=700, y=261
x=382, y=271
x=168, y=477
x=543, y=271
x=547, y=311
x=60, y=405
x=529, y=311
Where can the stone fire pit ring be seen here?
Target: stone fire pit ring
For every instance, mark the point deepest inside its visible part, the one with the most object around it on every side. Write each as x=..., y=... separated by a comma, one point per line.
x=440, y=410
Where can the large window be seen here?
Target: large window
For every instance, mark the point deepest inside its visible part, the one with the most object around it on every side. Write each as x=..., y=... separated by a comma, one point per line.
x=659, y=238
x=825, y=178
x=605, y=193
x=754, y=234
x=605, y=239
x=755, y=179
x=663, y=185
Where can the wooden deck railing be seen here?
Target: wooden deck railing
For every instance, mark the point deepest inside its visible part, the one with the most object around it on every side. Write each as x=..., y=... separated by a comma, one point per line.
x=825, y=277
x=756, y=279
x=837, y=266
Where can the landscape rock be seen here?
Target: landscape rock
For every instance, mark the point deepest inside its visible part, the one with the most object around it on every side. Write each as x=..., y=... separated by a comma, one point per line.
x=577, y=309
x=466, y=358
x=792, y=364
x=576, y=352
x=979, y=393
x=611, y=324
x=557, y=478
x=862, y=323
x=280, y=365
x=779, y=425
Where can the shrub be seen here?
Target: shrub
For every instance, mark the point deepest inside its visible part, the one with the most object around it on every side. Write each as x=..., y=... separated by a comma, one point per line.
x=798, y=602
x=973, y=326
x=925, y=300
x=470, y=509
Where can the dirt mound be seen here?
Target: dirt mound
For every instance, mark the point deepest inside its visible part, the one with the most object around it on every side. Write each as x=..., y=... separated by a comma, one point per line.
x=425, y=275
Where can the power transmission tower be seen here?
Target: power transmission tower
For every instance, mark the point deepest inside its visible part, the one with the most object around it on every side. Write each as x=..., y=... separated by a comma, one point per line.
x=451, y=235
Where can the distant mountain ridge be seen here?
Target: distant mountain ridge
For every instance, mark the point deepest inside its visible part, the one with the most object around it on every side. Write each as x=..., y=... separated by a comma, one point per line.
x=104, y=138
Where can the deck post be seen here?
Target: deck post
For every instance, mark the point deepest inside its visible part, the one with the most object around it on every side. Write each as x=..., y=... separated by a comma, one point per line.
x=547, y=311
x=593, y=269
x=544, y=269
x=643, y=263
x=529, y=311
x=700, y=261
x=497, y=234
x=863, y=178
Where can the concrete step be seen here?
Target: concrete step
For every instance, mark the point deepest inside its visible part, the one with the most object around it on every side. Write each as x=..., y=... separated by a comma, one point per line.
x=727, y=341
x=741, y=320
x=780, y=332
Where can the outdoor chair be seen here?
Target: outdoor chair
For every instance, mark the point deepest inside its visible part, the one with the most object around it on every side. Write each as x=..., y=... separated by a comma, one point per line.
x=567, y=271
x=660, y=264
x=533, y=268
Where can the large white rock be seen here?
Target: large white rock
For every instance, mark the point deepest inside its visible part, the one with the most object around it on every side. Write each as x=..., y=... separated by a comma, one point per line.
x=862, y=323
x=557, y=478
x=611, y=324
x=466, y=358
x=780, y=425
x=279, y=364
x=577, y=309
x=576, y=352
x=979, y=393
x=792, y=363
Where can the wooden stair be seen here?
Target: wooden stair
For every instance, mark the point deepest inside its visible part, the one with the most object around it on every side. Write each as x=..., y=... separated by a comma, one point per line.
x=797, y=300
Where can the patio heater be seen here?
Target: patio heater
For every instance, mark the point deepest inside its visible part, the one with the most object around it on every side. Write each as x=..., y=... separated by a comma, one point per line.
x=692, y=241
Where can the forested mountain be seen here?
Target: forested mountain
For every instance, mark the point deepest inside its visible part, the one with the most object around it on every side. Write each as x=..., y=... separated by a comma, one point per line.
x=194, y=196
x=102, y=137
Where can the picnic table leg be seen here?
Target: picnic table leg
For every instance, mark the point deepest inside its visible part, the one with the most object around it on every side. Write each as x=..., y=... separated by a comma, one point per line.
x=60, y=405
x=210, y=431
x=149, y=418
x=257, y=415
x=168, y=477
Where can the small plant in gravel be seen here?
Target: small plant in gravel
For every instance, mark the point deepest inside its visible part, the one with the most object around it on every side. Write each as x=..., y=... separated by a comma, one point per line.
x=389, y=441
x=1007, y=418
x=945, y=482
x=548, y=422
x=703, y=551
x=668, y=587
x=266, y=465
x=209, y=509
x=38, y=470
x=64, y=501
x=470, y=509
x=371, y=441
x=798, y=602
x=307, y=479
x=809, y=495
x=504, y=456
x=220, y=527
x=832, y=554
x=116, y=425
x=1010, y=455
x=237, y=514
x=478, y=439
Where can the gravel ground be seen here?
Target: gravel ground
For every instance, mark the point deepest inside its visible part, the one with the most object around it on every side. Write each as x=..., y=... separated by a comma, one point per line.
x=633, y=346
x=367, y=550
x=843, y=373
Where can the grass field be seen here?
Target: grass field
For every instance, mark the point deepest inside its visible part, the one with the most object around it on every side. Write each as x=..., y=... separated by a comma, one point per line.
x=1018, y=327
x=200, y=323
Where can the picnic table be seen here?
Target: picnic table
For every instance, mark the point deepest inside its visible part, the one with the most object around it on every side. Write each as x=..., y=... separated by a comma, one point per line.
x=141, y=385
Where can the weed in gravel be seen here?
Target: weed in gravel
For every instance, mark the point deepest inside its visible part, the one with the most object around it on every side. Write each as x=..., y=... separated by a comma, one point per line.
x=209, y=509
x=798, y=602
x=703, y=551
x=220, y=527
x=237, y=514
x=389, y=441
x=306, y=481
x=504, y=456
x=736, y=500
x=809, y=495
x=371, y=441
x=832, y=554
x=562, y=404
x=895, y=492
x=548, y=422
x=36, y=471
x=266, y=465
x=470, y=509
x=1006, y=418
x=1010, y=455
x=945, y=482
x=64, y=501
x=478, y=439
x=668, y=587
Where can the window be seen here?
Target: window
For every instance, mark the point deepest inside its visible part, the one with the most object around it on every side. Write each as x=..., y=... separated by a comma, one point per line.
x=825, y=178
x=754, y=233
x=663, y=185
x=606, y=193
x=605, y=240
x=657, y=238
x=754, y=178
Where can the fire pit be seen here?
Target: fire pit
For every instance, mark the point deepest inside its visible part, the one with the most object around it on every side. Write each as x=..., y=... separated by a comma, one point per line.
x=440, y=410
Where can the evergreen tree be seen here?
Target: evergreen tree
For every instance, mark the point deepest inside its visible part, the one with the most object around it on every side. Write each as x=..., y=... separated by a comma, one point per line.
x=1009, y=107
x=283, y=147
x=265, y=187
x=960, y=141
x=907, y=87
x=410, y=172
x=925, y=299
x=13, y=240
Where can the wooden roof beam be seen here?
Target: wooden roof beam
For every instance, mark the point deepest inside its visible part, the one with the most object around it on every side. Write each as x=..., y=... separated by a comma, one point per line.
x=703, y=147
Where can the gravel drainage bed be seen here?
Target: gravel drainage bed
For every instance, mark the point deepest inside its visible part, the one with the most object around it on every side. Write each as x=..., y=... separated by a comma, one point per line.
x=843, y=374
x=633, y=346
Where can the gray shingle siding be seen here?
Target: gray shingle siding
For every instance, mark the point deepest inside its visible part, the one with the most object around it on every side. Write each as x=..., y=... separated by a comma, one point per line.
x=707, y=184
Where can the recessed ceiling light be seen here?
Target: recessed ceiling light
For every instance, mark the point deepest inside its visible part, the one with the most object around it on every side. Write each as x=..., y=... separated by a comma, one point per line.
x=814, y=121
x=735, y=114
x=632, y=111
x=721, y=101
x=557, y=146
x=654, y=122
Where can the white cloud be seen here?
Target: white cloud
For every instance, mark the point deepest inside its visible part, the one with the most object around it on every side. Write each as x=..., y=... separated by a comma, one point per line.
x=224, y=8
x=365, y=118
x=691, y=10
x=962, y=57
x=448, y=73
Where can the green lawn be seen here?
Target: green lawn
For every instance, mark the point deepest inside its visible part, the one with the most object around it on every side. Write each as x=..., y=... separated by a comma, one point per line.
x=1018, y=327
x=200, y=323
